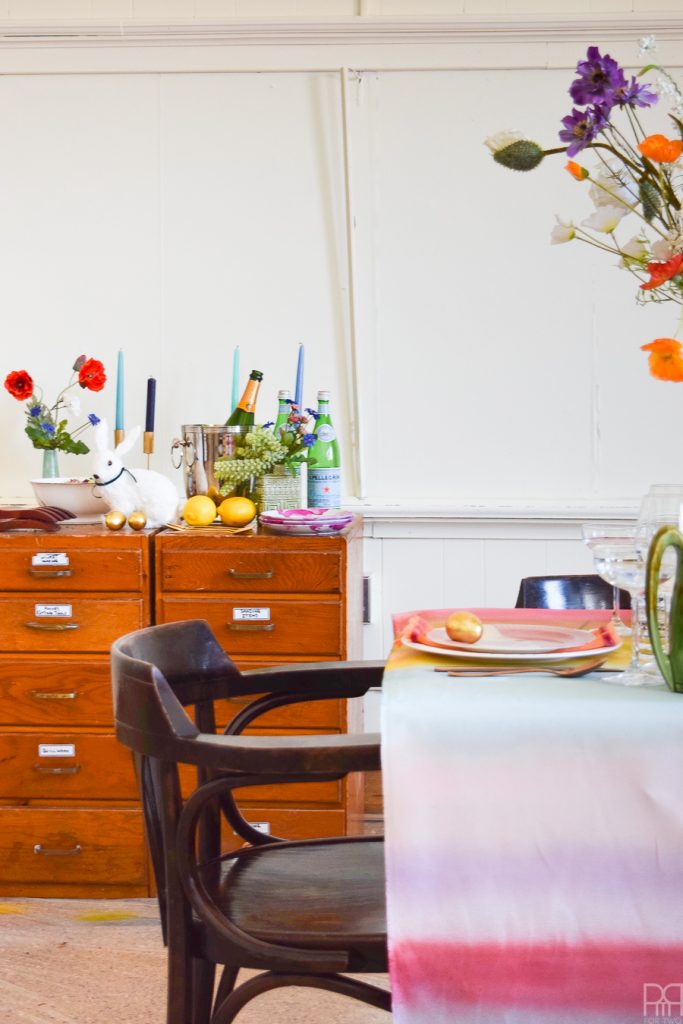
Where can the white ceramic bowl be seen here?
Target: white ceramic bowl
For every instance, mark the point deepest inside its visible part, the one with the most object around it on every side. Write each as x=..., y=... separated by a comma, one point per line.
x=74, y=494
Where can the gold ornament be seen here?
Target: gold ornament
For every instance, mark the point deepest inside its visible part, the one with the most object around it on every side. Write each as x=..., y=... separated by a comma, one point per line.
x=137, y=520
x=464, y=627
x=114, y=520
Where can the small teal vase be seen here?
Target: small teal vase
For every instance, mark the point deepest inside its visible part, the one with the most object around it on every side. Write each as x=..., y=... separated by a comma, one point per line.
x=50, y=462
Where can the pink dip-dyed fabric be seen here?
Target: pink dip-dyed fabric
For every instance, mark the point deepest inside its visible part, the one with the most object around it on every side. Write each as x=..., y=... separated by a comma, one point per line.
x=534, y=845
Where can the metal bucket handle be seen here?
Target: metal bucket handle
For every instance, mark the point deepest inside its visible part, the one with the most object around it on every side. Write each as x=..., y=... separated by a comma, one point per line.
x=189, y=459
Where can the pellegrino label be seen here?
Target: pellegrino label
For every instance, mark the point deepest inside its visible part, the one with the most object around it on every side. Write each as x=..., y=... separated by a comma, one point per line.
x=326, y=432
x=324, y=487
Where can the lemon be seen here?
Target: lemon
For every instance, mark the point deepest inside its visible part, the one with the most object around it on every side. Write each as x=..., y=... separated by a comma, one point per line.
x=199, y=510
x=237, y=511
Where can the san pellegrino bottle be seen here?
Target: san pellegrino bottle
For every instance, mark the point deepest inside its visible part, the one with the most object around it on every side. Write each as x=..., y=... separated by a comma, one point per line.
x=324, y=468
x=283, y=410
x=243, y=413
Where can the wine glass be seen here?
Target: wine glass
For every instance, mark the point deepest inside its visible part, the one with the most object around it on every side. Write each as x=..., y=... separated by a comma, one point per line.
x=595, y=536
x=661, y=506
x=619, y=561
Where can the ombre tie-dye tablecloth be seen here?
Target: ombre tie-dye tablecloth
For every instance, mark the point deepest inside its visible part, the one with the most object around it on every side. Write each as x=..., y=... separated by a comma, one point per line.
x=534, y=846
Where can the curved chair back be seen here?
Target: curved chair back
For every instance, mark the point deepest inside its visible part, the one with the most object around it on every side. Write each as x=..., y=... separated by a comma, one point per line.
x=560, y=592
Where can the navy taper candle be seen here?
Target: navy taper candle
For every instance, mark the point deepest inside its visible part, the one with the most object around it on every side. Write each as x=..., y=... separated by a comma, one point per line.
x=151, y=397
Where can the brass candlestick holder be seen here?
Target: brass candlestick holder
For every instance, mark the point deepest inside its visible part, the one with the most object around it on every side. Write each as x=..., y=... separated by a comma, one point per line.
x=119, y=435
x=148, y=444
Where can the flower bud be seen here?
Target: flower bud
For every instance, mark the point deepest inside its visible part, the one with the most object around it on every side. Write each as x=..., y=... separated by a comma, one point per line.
x=522, y=155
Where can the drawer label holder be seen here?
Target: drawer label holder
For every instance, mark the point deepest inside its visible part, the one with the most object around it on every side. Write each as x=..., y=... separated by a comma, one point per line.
x=50, y=558
x=53, y=611
x=56, y=750
x=250, y=614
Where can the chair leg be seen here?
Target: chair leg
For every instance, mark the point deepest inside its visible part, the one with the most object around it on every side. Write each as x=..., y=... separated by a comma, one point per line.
x=203, y=978
x=227, y=1010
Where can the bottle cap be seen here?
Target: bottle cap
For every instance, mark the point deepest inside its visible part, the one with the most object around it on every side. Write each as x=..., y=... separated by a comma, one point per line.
x=284, y=393
x=323, y=396
x=256, y=375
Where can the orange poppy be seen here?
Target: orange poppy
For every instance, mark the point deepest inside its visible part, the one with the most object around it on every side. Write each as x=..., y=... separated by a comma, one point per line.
x=660, y=273
x=660, y=149
x=665, y=360
x=576, y=170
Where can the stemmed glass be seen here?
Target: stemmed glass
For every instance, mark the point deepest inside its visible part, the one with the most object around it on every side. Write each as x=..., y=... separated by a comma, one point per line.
x=661, y=506
x=619, y=561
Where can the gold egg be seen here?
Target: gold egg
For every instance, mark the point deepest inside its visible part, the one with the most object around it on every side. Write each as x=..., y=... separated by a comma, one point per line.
x=137, y=520
x=114, y=520
x=464, y=627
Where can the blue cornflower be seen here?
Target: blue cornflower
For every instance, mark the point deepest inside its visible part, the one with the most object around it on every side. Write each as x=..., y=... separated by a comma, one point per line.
x=47, y=428
x=35, y=410
x=313, y=413
x=309, y=440
x=270, y=423
x=581, y=127
x=94, y=420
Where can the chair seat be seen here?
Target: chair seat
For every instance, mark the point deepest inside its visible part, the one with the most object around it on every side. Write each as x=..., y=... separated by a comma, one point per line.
x=275, y=895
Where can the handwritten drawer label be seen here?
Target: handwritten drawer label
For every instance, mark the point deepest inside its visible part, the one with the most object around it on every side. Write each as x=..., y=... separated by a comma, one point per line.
x=56, y=750
x=250, y=614
x=53, y=611
x=50, y=558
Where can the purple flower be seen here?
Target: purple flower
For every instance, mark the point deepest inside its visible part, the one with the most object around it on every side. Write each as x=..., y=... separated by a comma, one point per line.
x=35, y=410
x=633, y=95
x=47, y=428
x=581, y=127
x=94, y=420
x=270, y=423
x=309, y=440
x=599, y=78
x=313, y=413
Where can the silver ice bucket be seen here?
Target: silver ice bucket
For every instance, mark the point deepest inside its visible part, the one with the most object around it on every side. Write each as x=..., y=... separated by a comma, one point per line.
x=198, y=449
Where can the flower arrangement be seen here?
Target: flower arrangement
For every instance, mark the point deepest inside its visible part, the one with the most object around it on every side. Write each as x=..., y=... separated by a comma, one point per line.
x=638, y=176
x=46, y=424
x=261, y=450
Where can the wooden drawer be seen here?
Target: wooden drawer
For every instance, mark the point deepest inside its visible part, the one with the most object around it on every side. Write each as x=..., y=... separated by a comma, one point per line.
x=43, y=691
x=325, y=715
x=293, y=627
x=242, y=571
x=293, y=823
x=88, y=849
x=99, y=769
x=107, y=567
x=93, y=625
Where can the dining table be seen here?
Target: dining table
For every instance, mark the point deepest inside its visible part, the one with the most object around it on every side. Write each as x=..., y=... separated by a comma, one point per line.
x=533, y=831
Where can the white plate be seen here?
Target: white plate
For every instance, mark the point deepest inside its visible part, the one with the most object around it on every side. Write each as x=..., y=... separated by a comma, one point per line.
x=517, y=638
x=307, y=529
x=594, y=652
x=305, y=515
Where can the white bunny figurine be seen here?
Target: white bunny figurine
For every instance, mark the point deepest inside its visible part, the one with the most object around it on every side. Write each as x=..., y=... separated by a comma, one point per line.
x=132, y=490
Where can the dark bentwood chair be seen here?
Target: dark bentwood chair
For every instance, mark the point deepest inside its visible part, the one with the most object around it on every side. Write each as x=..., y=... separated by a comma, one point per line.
x=558, y=592
x=305, y=912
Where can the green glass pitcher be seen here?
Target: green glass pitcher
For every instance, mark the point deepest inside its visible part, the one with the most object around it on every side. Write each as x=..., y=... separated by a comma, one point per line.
x=671, y=664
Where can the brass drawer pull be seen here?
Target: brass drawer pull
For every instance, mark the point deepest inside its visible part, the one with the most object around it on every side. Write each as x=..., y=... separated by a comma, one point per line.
x=48, y=574
x=267, y=575
x=68, y=769
x=53, y=626
x=252, y=627
x=47, y=851
x=54, y=694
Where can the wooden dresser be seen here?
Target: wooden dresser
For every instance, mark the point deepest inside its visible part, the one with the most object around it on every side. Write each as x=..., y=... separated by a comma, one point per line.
x=70, y=824
x=271, y=600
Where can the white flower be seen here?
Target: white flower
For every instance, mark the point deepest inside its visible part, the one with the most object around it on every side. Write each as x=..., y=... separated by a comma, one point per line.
x=502, y=139
x=635, y=249
x=563, y=231
x=605, y=218
x=609, y=188
x=73, y=404
x=662, y=250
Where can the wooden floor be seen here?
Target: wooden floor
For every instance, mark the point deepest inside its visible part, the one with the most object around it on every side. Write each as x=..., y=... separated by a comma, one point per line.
x=103, y=962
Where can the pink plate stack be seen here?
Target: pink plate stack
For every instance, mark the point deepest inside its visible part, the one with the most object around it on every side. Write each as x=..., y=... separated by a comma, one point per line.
x=302, y=521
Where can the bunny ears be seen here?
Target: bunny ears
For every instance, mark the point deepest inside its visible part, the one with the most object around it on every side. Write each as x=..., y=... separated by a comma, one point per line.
x=103, y=444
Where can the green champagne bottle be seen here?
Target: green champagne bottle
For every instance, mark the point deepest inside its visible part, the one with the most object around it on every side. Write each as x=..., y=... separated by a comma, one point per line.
x=324, y=469
x=243, y=413
x=283, y=411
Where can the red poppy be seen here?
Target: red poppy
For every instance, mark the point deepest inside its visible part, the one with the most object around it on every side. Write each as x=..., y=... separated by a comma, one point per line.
x=19, y=384
x=660, y=149
x=576, y=170
x=660, y=273
x=91, y=375
x=665, y=360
